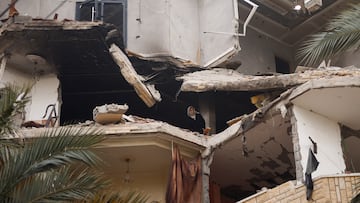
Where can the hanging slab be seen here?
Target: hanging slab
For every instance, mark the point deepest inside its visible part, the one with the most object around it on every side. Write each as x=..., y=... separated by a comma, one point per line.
x=147, y=93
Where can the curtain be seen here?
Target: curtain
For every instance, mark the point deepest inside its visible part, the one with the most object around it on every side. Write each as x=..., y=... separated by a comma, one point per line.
x=185, y=181
x=215, y=194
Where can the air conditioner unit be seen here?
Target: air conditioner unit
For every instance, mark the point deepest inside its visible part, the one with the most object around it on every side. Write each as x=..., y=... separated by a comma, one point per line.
x=312, y=5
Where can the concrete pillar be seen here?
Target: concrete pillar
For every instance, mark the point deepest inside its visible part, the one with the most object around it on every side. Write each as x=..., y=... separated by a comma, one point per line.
x=207, y=110
x=296, y=147
x=206, y=162
x=3, y=61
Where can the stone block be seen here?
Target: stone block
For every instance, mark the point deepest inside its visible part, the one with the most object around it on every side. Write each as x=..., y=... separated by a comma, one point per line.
x=285, y=187
x=253, y=200
x=280, y=197
x=274, y=192
x=333, y=196
x=343, y=194
x=331, y=184
x=318, y=194
x=323, y=200
x=301, y=190
x=338, y=194
x=297, y=200
x=263, y=197
x=341, y=183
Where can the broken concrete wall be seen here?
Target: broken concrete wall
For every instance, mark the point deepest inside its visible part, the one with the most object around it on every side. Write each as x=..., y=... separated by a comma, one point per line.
x=43, y=8
x=180, y=27
x=177, y=28
x=350, y=144
x=326, y=133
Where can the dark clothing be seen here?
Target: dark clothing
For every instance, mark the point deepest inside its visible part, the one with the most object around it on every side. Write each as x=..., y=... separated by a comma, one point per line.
x=312, y=164
x=197, y=124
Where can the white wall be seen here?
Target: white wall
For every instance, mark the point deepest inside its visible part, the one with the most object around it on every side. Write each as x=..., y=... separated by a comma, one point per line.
x=18, y=78
x=15, y=77
x=258, y=53
x=185, y=29
x=167, y=27
x=176, y=28
x=144, y=36
x=44, y=92
x=217, y=16
x=326, y=133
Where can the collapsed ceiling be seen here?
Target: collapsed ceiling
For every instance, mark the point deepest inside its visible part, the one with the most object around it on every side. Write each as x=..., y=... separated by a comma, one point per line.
x=278, y=20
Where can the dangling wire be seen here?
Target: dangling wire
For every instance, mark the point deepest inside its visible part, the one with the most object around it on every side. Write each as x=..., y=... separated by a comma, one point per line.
x=245, y=151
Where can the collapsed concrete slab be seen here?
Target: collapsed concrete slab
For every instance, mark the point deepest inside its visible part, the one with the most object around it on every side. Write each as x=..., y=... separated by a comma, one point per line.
x=147, y=93
x=231, y=80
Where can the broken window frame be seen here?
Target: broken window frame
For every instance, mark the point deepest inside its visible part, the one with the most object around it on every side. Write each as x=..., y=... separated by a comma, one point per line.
x=99, y=7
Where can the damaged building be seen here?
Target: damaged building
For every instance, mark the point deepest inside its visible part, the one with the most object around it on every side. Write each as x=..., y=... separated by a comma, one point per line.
x=143, y=63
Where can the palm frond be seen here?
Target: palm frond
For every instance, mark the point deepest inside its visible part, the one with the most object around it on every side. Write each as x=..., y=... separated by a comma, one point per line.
x=12, y=102
x=341, y=33
x=55, y=148
x=61, y=185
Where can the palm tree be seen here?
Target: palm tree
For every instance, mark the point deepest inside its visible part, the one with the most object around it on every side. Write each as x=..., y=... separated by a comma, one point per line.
x=341, y=34
x=55, y=166
x=43, y=169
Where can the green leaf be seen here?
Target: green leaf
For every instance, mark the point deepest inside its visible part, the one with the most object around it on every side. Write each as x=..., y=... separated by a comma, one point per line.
x=54, y=149
x=59, y=185
x=12, y=102
x=341, y=34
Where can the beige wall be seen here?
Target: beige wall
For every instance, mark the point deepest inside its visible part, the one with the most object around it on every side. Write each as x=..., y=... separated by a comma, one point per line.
x=326, y=189
x=152, y=184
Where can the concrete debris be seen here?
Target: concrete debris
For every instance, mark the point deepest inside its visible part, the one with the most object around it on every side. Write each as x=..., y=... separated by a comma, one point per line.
x=128, y=118
x=109, y=113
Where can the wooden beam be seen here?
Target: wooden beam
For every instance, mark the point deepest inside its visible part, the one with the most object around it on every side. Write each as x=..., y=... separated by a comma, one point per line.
x=147, y=93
